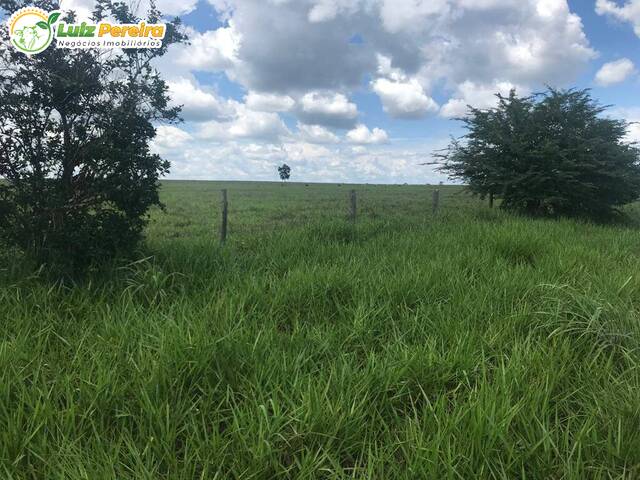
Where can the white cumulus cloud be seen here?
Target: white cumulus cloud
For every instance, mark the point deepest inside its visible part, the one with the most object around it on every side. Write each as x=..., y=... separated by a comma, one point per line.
x=168, y=138
x=316, y=134
x=327, y=108
x=478, y=96
x=197, y=103
x=404, y=99
x=246, y=124
x=363, y=136
x=212, y=51
x=615, y=72
x=269, y=102
x=628, y=11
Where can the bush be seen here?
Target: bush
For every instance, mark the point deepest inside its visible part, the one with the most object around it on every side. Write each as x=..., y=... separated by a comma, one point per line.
x=551, y=154
x=75, y=127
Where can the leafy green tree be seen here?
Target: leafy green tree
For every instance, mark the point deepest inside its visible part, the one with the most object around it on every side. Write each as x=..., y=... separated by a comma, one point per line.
x=550, y=154
x=75, y=129
x=285, y=172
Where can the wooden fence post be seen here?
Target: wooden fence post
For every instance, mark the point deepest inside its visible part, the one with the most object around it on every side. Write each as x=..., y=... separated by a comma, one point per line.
x=353, y=211
x=491, y=200
x=436, y=200
x=225, y=212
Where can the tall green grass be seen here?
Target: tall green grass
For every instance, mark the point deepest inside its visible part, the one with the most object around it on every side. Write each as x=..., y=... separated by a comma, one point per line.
x=471, y=344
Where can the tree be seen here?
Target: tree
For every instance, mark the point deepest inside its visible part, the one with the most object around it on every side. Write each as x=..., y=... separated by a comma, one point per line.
x=551, y=154
x=75, y=128
x=285, y=172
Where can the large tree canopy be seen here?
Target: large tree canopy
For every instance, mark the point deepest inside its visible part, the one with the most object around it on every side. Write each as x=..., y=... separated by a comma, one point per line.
x=75, y=127
x=551, y=154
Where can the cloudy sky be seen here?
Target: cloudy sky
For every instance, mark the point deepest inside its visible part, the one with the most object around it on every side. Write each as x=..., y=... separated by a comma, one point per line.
x=366, y=90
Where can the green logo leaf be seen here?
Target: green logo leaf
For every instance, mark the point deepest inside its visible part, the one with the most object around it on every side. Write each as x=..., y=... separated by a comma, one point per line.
x=53, y=17
x=43, y=25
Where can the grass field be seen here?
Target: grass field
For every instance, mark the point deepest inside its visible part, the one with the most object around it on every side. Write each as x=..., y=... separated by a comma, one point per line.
x=470, y=344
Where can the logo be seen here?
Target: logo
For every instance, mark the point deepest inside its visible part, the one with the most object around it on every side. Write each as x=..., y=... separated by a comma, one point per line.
x=30, y=29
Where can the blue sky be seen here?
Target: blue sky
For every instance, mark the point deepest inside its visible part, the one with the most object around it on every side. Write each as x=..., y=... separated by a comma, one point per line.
x=613, y=39
x=366, y=90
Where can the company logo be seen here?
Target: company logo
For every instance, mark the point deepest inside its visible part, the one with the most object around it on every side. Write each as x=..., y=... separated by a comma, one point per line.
x=32, y=30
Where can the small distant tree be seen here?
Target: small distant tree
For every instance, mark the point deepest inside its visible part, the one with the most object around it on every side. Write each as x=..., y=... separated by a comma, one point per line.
x=285, y=172
x=75, y=132
x=551, y=154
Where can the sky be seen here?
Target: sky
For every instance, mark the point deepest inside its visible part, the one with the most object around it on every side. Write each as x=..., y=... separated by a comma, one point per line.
x=365, y=91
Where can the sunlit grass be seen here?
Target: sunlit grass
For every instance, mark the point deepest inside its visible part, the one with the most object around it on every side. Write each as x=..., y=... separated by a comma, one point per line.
x=472, y=344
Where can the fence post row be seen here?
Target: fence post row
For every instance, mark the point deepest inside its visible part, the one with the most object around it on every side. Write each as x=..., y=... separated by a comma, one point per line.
x=353, y=211
x=225, y=212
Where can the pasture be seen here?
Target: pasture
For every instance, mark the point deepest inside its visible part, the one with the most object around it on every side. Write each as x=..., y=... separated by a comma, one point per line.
x=466, y=344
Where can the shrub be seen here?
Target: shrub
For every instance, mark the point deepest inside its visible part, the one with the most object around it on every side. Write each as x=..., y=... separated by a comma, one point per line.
x=75, y=127
x=551, y=154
